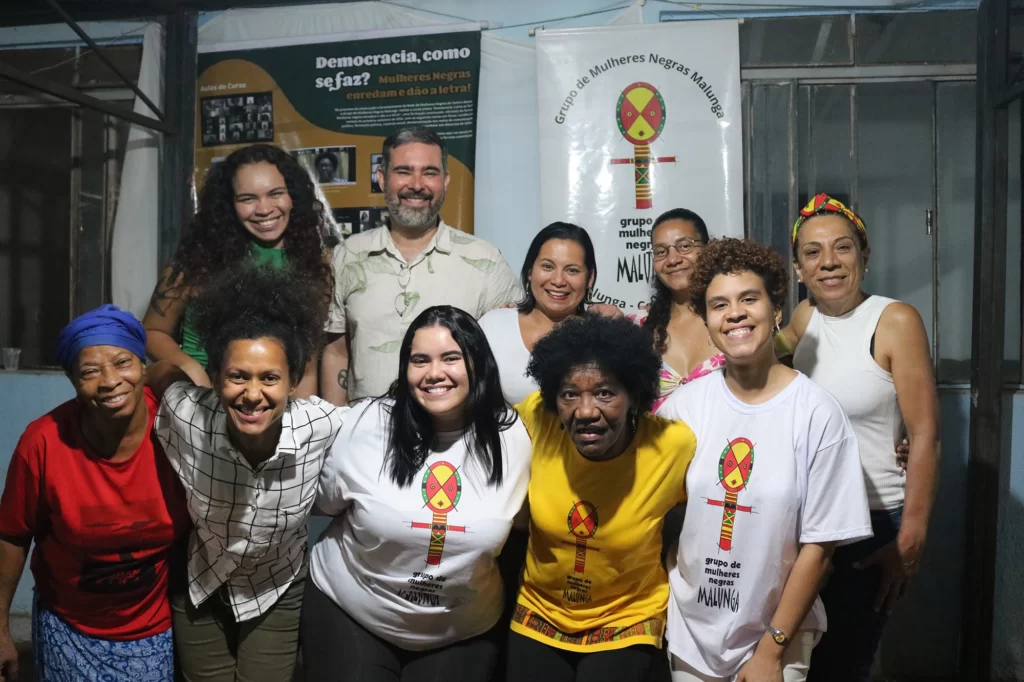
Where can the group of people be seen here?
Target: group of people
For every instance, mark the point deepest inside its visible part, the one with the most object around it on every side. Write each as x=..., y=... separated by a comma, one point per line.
x=498, y=457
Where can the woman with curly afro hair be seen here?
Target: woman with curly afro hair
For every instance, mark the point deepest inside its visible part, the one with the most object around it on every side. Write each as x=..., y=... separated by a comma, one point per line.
x=258, y=205
x=249, y=454
x=604, y=473
x=776, y=483
x=680, y=337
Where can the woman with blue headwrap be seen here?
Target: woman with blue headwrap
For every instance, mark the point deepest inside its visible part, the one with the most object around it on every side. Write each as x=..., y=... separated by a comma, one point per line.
x=90, y=485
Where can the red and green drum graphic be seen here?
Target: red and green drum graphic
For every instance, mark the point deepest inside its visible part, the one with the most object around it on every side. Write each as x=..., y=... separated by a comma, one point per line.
x=640, y=113
x=442, y=488
x=734, y=468
x=582, y=526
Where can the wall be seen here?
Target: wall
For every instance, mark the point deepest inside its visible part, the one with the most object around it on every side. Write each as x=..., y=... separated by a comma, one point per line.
x=25, y=396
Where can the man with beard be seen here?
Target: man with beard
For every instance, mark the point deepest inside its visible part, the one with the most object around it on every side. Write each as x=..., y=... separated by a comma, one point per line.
x=386, y=276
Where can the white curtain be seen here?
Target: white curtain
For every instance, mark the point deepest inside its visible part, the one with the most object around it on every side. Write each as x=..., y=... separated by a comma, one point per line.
x=134, y=248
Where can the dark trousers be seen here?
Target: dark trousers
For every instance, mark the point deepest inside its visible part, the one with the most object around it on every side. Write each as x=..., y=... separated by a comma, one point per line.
x=847, y=650
x=530, y=660
x=335, y=648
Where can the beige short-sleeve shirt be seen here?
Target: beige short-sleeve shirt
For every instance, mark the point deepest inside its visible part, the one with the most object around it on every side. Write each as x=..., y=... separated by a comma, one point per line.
x=377, y=294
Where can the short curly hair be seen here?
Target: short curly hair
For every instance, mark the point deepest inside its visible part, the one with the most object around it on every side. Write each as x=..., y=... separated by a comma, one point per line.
x=729, y=256
x=254, y=301
x=617, y=347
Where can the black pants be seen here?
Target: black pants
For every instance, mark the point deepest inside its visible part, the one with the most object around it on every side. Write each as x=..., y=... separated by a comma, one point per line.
x=335, y=648
x=532, y=661
x=847, y=650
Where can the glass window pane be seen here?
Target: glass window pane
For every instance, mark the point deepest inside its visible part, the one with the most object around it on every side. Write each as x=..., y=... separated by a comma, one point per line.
x=34, y=229
x=795, y=41
x=917, y=38
x=894, y=189
x=827, y=159
x=955, y=121
x=769, y=158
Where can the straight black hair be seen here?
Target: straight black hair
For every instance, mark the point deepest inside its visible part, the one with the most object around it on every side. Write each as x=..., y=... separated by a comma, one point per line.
x=557, y=230
x=412, y=430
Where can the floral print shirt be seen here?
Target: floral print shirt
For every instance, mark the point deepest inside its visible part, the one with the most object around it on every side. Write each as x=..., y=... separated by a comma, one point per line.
x=669, y=379
x=377, y=294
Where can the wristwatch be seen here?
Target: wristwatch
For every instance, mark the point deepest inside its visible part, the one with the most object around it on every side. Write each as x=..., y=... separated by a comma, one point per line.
x=779, y=636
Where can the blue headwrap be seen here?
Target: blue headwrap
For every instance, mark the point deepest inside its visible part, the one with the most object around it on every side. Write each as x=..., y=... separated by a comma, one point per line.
x=107, y=325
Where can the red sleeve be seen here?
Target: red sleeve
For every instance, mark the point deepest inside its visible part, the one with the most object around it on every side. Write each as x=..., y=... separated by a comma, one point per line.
x=21, y=503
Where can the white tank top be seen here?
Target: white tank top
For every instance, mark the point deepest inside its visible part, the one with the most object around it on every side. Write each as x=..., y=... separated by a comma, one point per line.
x=835, y=352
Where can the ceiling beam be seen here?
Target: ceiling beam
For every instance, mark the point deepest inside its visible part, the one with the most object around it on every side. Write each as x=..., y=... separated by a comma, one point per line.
x=70, y=94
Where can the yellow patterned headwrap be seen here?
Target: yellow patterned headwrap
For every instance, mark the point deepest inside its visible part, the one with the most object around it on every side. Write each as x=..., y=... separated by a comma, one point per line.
x=823, y=203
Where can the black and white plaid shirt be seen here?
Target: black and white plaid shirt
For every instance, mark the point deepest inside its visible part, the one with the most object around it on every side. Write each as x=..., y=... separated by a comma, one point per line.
x=250, y=523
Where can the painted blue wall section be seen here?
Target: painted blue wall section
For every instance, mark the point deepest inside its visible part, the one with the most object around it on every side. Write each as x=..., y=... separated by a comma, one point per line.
x=25, y=396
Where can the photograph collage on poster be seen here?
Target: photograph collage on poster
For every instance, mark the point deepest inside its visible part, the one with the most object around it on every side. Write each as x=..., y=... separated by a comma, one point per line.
x=237, y=118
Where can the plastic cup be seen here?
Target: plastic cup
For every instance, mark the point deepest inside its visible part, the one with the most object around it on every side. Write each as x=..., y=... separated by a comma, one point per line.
x=11, y=357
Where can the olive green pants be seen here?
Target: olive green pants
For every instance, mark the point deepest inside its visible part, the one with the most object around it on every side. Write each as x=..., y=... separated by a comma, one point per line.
x=212, y=647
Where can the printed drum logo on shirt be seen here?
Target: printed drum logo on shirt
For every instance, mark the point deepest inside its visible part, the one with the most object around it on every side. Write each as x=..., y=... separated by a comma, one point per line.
x=442, y=488
x=734, y=468
x=582, y=525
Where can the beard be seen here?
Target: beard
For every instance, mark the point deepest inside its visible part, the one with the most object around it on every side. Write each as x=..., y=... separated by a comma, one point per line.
x=415, y=218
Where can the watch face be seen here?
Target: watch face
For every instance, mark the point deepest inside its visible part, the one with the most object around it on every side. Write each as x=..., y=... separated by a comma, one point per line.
x=779, y=638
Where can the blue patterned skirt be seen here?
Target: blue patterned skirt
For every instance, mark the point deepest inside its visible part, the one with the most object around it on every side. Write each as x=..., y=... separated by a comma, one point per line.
x=63, y=654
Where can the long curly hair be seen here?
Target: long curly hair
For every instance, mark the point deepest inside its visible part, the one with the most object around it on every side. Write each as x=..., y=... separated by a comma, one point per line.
x=252, y=301
x=216, y=241
x=729, y=256
x=660, y=311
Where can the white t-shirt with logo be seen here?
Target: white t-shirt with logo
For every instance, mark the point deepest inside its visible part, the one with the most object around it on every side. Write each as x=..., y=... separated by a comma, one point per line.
x=415, y=565
x=766, y=479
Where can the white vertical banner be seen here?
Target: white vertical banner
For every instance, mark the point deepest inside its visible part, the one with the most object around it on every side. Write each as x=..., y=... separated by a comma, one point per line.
x=634, y=121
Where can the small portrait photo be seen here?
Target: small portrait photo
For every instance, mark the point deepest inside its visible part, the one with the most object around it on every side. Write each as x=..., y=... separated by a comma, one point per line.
x=233, y=119
x=355, y=220
x=328, y=165
x=375, y=163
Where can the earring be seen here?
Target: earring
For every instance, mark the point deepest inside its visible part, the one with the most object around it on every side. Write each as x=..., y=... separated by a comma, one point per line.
x=778, y=329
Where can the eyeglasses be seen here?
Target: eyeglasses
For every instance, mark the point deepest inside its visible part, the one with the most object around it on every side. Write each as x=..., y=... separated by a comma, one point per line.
x=684, y=247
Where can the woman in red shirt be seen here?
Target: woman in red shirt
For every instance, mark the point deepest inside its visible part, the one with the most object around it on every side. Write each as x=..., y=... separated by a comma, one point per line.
x=90, y=485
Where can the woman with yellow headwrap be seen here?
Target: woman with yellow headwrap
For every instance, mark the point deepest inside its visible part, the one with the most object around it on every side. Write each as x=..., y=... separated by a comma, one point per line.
x=872, y=354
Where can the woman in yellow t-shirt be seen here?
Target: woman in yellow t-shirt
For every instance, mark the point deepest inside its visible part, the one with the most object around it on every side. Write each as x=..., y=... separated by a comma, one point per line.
x=593, y=599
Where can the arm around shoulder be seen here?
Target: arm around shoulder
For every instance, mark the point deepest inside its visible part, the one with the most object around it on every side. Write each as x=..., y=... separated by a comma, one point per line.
x=334, y=370
x=161, y=321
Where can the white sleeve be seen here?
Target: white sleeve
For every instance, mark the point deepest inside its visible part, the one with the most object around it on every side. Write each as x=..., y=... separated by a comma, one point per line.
x=835, y=504
x=330, y=495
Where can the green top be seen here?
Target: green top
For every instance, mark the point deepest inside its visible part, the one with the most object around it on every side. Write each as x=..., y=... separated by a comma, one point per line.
x=190, y=343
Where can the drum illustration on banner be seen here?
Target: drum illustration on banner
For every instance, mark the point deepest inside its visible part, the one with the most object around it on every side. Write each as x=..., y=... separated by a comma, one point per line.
x=674, y=92
x=641, y=116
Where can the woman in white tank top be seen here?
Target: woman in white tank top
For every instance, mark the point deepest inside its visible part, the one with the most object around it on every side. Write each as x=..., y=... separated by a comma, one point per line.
x=872, y=354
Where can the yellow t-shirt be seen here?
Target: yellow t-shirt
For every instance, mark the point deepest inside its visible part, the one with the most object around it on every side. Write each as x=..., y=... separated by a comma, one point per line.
x=594, y=579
